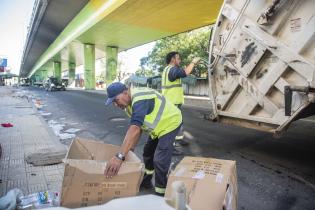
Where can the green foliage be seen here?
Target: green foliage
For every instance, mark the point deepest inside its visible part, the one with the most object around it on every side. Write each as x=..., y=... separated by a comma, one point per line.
x=189, y=45
x=145, y=72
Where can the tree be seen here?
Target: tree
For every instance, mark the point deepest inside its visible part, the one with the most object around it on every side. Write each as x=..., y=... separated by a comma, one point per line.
x=188, y=44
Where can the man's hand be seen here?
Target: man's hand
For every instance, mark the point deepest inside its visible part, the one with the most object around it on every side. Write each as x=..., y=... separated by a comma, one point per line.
x=195, y=60
x=112, y=167
x=191, y=66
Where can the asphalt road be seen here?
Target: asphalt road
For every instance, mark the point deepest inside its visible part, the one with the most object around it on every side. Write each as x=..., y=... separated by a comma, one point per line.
x=272, y=173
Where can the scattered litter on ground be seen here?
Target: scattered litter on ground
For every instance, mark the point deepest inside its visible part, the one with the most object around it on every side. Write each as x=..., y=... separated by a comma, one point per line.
x=39, y=200
x=72, y=130
x=22, y=107
x=66, y=135
x=74, y=123
x=38, y=106
x=10, y=200
x=46, y=157
x=6, y=125
x=38, y=103
x=52, y=122
x=57, y=127
x=45, y=113
x=22, y=94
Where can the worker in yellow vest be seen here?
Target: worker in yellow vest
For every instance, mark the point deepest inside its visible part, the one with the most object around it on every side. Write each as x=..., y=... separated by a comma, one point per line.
x=172, y=87
x=149, y=111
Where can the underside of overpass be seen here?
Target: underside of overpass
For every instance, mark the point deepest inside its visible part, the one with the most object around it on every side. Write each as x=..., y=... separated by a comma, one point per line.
x=64, y=32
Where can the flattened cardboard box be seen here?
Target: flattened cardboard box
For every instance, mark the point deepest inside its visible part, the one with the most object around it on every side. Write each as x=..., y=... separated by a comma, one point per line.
x=211, y=184
x=84, y=183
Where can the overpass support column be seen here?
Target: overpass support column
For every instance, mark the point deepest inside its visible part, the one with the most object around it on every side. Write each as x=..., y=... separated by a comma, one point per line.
x=71, y=72
x=57, y=69
x=89, y=66
x=111, y=63
x=44, y=74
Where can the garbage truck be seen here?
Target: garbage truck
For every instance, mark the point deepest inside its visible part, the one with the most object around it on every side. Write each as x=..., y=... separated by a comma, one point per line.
x=262, y=63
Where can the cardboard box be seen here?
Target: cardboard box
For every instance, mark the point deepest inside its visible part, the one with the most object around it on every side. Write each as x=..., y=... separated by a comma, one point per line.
x=84, y=183
x=211, y=184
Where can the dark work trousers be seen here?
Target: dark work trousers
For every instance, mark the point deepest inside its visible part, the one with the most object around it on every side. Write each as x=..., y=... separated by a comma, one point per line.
x=157, y=156
x=180, y=135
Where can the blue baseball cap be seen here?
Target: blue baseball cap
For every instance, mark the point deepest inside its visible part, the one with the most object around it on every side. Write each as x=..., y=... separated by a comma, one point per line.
x=113, y=90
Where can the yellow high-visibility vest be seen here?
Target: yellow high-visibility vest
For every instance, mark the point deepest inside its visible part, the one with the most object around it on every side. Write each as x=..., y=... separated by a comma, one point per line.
x=173, y=91
x=165, y=116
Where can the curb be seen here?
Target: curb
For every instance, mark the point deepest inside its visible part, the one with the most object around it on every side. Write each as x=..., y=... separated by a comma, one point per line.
x=202, y=99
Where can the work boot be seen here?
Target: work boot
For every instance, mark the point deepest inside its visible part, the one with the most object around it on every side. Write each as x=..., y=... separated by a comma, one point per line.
x=176, y=144
x=159, y=194
x=183, y=142
x=146, y=182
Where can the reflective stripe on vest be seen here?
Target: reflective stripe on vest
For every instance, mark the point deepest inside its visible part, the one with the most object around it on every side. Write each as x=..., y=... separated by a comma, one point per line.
x=164, y=118
x=171, y=86
x=149, y=172
x=166, y=80
x=173, y=91
x=160, y=111
x=160, y=190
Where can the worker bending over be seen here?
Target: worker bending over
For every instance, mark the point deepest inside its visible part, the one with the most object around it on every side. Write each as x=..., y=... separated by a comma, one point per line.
x=150, y=112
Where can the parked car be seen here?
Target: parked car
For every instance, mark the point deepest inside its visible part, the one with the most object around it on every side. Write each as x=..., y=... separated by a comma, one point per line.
x=65, y=82
x=39, y=83
x=52, y=83
x=25, y=84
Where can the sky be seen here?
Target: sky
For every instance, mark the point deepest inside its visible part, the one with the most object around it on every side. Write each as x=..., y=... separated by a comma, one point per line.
x=15, y=16
x=131, y=58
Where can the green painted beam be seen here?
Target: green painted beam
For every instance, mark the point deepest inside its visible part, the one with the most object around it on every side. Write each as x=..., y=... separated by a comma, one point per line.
x=57, y=69
x=89, y=66
x=126, y=24
x=92, y=13
x=44, y=74
x=111, y=64
x=71, y=72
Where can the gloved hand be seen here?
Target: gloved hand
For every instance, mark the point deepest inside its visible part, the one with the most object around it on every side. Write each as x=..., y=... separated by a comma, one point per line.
x=195, y=60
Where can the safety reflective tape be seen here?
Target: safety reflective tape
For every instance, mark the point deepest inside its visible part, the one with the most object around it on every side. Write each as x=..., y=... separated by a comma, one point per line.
x=179, y=137
x=160, y=111
x=149, y=172
x=159, y=114
x=166, y=73
x=171, y=86
x=143, y=94
x=160, y=190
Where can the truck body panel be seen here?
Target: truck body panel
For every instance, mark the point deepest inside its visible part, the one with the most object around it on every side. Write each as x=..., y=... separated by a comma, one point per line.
x=263, y=55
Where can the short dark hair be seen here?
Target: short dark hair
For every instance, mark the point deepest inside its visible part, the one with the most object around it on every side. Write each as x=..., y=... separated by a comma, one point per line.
x=170, y=55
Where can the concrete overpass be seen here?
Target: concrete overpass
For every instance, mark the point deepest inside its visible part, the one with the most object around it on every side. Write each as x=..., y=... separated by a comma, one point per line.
x=65, y=34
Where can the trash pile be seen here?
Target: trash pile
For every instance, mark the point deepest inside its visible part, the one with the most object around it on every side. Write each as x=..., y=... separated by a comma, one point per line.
x=15, y=199
x=39, y=200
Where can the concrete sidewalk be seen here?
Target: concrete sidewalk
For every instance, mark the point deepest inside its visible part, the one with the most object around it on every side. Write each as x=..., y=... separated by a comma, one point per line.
x=29, y=134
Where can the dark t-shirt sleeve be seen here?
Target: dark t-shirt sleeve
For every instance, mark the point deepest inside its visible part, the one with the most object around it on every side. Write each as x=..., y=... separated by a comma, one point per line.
x=139, y=110
x=176, y=73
